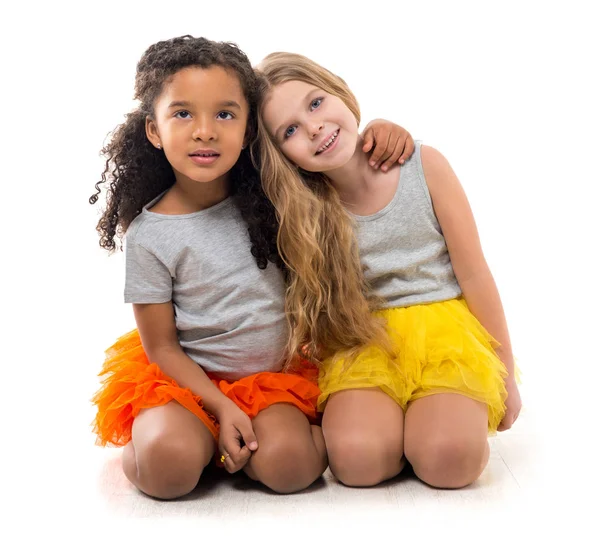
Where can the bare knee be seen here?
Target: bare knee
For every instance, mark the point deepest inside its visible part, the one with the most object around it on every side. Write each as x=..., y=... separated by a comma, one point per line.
x=165, y=466
x=446, y=462
x=358, y=459
x=287, y=463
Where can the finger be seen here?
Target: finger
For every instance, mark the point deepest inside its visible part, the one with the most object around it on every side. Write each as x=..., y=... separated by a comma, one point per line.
x=409, y=149
x=501, y=425
x=380, y=152
x=223, y=458
x=394, y=156
x=235, y=461
x=230, y=465
x=231, y=446
x=249, y=436
x=504, y=425
x=368, y=140
x=241, y=459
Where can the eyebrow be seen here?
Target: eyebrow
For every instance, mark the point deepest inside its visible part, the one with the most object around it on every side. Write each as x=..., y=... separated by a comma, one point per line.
x=230, y=103
x=179, y=103
x=225, y=103
x=284, y=125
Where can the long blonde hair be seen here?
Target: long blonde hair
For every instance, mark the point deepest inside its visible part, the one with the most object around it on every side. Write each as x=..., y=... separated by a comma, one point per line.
x=328, y=303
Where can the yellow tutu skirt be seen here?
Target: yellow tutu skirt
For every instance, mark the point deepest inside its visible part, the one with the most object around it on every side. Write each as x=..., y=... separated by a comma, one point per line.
x=439, y=347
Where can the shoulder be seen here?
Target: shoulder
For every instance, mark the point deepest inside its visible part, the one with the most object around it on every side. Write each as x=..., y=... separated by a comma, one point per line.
x=433, y=161
x=136, y=229
x=427, y=160
x=145, y=231
x=438, y=173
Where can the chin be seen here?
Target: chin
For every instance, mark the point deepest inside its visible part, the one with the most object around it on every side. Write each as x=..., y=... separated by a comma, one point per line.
x=343, y=157
x=330, y=167
x=205, y=177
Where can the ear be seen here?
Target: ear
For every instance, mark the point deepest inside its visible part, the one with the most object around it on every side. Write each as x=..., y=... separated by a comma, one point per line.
x=152, y=133
x=250, y=134
x=247, y=137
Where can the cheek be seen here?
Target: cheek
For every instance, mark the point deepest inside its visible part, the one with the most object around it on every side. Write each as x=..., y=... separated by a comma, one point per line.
x=298, y=154
x=236, y=137
x=351, y=123
x=178, y=134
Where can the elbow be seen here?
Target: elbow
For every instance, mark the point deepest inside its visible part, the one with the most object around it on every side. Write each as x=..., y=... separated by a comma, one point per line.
x=161, y=354
x=473, y=272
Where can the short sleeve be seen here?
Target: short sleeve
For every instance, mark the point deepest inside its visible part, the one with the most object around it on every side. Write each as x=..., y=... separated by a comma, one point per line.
x=147, y=279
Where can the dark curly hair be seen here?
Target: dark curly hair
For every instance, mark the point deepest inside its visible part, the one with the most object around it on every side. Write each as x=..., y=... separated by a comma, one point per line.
x=137, y=172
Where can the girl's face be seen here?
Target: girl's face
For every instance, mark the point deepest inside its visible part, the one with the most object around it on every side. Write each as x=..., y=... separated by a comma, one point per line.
x=314, y=129
x=200, y=122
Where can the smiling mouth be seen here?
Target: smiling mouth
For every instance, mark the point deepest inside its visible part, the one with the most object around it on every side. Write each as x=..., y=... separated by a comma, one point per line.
x=328, y=143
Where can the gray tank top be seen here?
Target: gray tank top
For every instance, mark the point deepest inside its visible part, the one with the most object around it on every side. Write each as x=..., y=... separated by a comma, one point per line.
x=403, y=252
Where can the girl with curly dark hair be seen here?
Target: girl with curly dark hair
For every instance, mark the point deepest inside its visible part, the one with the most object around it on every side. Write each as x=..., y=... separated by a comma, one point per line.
x=202, y=374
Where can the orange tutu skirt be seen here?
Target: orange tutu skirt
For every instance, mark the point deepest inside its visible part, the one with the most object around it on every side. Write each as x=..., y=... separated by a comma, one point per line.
x=131, y=383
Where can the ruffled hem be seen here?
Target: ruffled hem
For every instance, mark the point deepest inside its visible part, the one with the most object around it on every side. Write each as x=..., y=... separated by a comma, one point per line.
x=132, y=383
x=439, y=347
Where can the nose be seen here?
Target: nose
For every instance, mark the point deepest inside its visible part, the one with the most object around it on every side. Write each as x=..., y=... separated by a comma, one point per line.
x=204, y=130
x=314, y=128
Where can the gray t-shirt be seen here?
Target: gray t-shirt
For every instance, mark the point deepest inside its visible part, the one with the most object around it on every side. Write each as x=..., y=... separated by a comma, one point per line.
x=402, y=249
x=229, y=314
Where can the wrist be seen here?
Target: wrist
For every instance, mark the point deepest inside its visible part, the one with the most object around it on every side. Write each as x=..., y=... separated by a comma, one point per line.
x=222, y=406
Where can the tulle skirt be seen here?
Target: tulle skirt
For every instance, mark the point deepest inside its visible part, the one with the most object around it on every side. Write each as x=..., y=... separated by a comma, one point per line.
x=438, y=347
x=131, y=383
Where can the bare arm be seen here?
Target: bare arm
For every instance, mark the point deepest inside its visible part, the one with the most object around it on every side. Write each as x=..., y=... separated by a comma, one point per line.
x=392, y=143
x=156, y=324
x=472, y=272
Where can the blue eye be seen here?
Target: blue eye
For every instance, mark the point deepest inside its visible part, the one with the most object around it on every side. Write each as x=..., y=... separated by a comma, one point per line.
x=290, y=131
x=316, y=103
x=183, y=114
x=224, y=115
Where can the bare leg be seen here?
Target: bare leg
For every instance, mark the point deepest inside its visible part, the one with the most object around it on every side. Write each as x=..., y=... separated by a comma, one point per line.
x=170, y=448
x=291, y=453
x=363, y=430
x=446, y=439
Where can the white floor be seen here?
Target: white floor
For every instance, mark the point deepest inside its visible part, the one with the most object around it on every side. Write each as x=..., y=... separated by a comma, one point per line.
x=221, y=494
x=83, y=494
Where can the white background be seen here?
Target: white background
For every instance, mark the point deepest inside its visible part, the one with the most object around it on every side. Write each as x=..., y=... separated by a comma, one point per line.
x=508, y=91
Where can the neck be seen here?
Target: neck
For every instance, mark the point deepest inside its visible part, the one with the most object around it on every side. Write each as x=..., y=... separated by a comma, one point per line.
x=354, y=177
x=195, y=196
